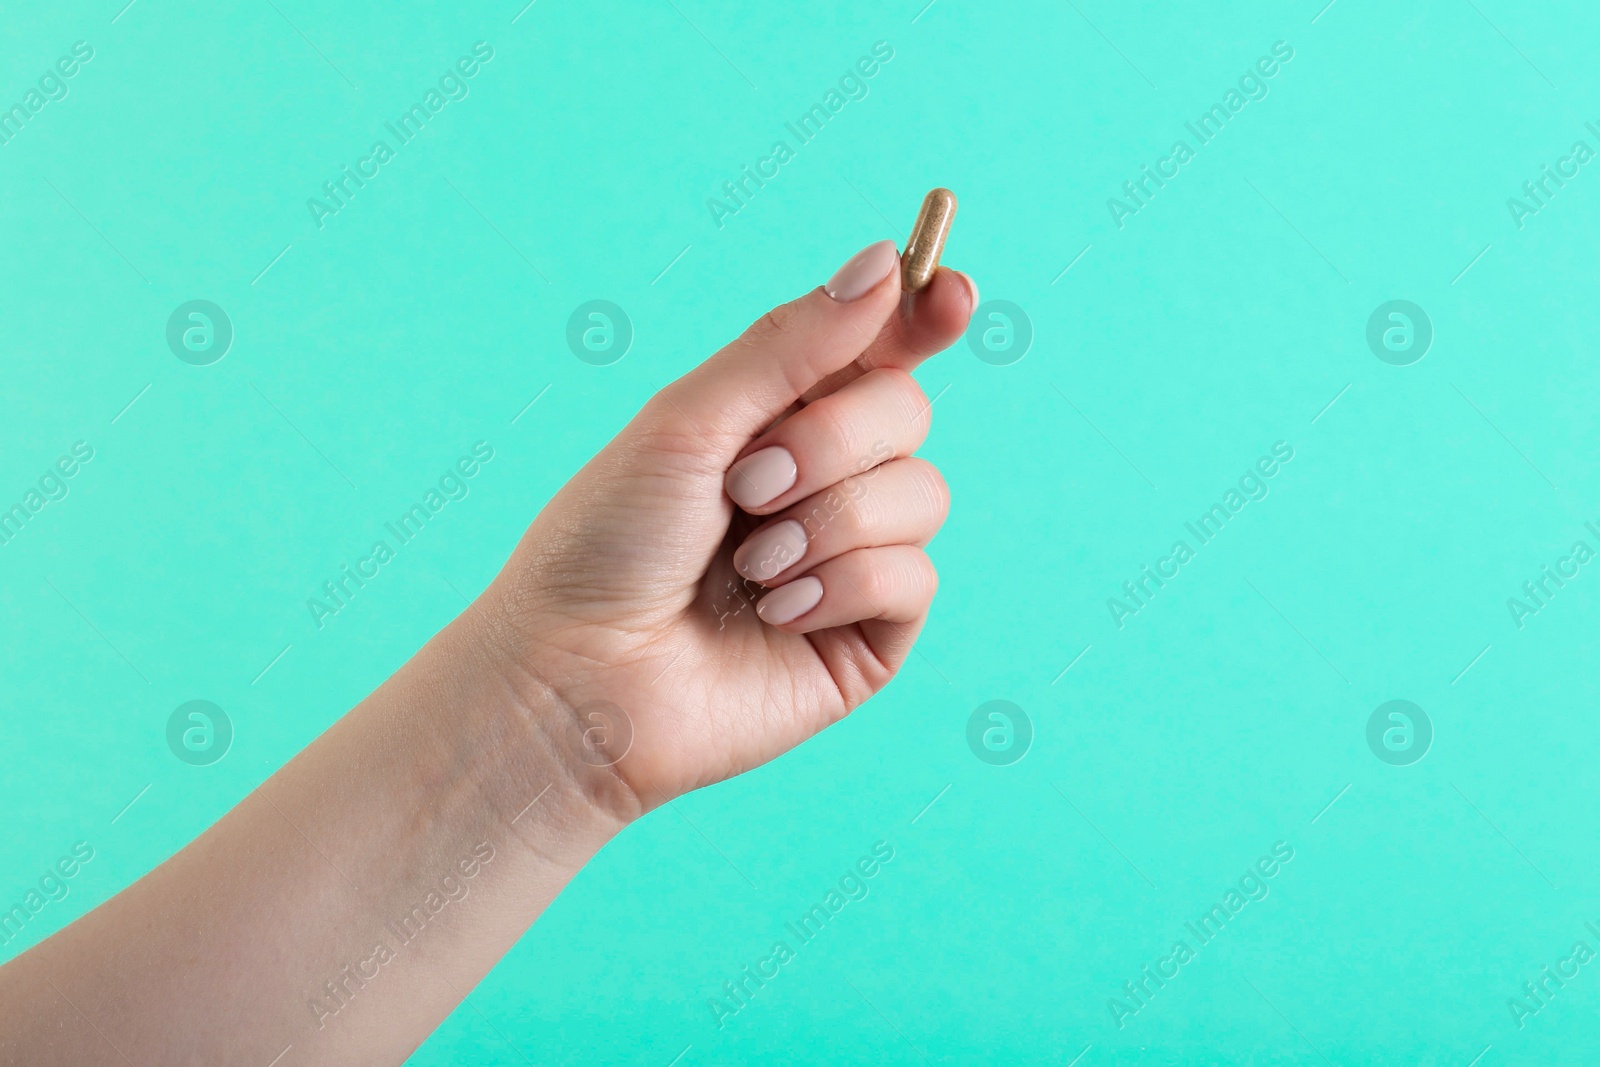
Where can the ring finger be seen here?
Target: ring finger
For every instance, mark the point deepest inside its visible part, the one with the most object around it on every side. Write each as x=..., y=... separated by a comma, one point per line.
x=901, y=502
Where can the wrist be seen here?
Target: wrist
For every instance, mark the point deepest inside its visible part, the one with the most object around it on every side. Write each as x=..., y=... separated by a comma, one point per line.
x=554, y=751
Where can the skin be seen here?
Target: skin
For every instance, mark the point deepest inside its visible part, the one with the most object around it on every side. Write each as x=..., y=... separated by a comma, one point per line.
x=340, y=911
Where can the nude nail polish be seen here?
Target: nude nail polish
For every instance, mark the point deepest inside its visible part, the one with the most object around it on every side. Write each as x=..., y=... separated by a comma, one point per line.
x=771, y=551
x=787, y=603
x=864, y=270
x=761, y=477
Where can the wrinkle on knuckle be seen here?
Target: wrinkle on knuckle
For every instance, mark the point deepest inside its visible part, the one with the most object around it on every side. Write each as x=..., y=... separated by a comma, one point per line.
x=914, y=405
x=936, y=490
x=834, y=426
x=773, y=323
x=874, y=584
x=861, y=514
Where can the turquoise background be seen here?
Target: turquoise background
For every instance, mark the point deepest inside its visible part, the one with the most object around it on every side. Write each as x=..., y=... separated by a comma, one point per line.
x=1230, y=713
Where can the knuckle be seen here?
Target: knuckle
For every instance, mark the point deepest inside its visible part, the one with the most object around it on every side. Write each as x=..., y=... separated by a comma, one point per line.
x=875, y=584
x=775, y=323
x=928, y=577
x=859, y=513
x=833, y=423
x=913, y=401
x=662, y=426
x=909, y=401
x=671, y=431
x=934, y=488
x=657, y=415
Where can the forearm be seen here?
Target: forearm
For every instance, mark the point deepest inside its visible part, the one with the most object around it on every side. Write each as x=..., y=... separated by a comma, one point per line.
x=347, y=904
x=344, y=907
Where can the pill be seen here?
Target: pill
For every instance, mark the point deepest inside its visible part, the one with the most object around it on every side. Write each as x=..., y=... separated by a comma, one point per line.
x=921, y=257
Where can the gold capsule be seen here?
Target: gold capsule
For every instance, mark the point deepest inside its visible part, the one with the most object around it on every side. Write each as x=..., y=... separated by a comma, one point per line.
x=921, y=257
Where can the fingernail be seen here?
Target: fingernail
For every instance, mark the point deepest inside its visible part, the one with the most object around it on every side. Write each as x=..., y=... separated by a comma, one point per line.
x=972, y=287
x=761, y=476
x=770, y=551
x=789, y=602
x=865, y=269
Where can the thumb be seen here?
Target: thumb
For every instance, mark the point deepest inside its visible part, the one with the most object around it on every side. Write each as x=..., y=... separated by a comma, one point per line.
x=749, y=384
x=651, y=503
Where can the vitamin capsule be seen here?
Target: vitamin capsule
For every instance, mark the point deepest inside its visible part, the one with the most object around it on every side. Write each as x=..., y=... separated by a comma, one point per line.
x=921, y=257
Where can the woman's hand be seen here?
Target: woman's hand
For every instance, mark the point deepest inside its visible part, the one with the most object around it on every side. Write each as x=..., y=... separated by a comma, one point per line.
x=743, y=564
x=356, y=895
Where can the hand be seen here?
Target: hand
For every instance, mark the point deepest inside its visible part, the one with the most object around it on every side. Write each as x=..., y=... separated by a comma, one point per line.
x=697, y=640
x=633, y=594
